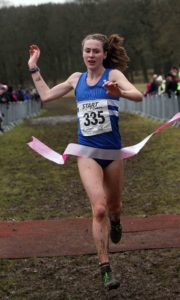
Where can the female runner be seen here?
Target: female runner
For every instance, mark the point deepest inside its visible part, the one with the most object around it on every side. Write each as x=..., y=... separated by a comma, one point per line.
x=98, y=92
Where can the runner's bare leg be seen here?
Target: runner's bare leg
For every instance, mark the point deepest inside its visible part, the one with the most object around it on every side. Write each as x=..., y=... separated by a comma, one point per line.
x=113, y=185
x=92, y=178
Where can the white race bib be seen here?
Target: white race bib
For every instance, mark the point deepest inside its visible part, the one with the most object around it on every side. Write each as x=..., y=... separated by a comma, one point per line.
x=94, y=117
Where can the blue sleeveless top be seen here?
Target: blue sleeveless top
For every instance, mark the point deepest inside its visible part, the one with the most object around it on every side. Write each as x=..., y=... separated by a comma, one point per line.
x=98, y=114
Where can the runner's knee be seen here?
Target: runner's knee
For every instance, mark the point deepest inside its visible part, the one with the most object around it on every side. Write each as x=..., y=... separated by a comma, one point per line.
x=99, y=212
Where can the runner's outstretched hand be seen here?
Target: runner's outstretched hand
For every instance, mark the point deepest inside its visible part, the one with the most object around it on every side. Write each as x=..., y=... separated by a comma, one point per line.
x=34, y=53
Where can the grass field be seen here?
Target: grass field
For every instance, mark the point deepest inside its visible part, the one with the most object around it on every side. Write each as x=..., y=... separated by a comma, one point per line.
x=34, y=188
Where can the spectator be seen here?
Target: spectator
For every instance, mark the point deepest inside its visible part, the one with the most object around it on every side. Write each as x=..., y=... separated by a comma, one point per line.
x=34, y=94
x=161, y=85
x=12, y=94
x=178, y=90
x=178, y=83
x=26, y=95
x=3, y=88
x=152, y=87
x=1, y=120
x=148, y=84
x=4, y=98
x=172, y=81
x=19, y=93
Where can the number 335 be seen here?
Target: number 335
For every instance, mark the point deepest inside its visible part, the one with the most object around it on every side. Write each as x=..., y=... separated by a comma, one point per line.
x=94, y=118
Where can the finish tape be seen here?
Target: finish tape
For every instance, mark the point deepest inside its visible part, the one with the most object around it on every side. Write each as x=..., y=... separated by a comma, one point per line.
x=85, y=151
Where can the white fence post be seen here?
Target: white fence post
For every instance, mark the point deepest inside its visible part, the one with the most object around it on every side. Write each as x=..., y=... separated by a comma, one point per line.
x=159, y=107
x=18, y=111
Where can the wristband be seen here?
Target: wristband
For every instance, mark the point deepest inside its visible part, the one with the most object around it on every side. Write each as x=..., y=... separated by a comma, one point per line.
x=34, y=70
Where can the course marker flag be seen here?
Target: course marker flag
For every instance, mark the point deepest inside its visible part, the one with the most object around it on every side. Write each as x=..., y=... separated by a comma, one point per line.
x=85, y=151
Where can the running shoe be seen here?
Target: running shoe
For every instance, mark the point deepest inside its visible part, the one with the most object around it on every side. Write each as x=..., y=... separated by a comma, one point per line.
x=115, y=231
x=108, y=280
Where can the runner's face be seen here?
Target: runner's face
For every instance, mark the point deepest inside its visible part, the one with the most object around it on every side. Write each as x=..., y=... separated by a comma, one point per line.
x=93, y=54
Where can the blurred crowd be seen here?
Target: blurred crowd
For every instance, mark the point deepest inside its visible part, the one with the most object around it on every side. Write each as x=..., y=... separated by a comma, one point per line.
x=168, y=84
x=9, y=94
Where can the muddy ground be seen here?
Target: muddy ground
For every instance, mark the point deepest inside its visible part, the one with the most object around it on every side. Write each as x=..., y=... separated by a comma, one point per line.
x=144, y=275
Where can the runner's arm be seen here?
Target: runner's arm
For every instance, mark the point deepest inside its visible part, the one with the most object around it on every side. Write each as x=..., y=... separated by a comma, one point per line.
x=49, y=94
x=45, y=93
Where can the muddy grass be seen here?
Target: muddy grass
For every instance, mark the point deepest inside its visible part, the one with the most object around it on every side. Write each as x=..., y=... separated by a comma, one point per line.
x=33, y=188
x=145, y=275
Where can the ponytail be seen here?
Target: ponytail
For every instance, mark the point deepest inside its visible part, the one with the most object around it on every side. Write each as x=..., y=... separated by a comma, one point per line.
x=117, y=57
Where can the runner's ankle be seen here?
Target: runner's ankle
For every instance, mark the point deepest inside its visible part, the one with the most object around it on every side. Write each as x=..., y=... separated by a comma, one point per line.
x=114, y=217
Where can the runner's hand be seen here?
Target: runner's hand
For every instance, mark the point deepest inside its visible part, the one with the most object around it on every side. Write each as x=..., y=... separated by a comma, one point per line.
x=112, y=88
x=34, y=53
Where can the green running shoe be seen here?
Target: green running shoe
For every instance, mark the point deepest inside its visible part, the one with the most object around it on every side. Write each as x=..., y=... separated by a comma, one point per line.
x=108, y=280
x=116, y=231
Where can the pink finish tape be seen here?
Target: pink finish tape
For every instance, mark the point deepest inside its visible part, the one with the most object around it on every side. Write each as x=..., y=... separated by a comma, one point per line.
x=174, y=119
x=85, y=151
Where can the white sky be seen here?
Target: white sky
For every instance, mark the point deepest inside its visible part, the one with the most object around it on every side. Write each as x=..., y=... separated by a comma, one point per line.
x=33, y=2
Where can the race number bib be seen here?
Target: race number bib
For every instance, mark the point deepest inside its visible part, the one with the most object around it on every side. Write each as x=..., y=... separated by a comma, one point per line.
x=94, y=117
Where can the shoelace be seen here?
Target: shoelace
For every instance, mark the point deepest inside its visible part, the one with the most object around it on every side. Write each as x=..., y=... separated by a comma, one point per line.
x=106, y=277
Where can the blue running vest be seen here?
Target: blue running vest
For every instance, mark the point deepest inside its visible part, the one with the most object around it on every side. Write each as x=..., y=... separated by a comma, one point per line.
x=97, y=110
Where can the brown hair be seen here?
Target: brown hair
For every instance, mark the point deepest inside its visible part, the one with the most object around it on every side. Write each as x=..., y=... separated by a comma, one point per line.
x=117, y=57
